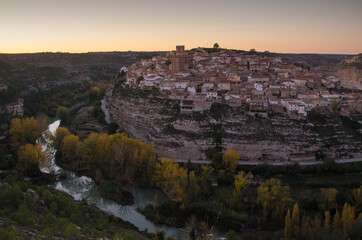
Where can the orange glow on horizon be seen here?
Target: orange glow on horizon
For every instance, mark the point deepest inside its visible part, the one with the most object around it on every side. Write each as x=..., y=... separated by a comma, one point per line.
x=284, y=26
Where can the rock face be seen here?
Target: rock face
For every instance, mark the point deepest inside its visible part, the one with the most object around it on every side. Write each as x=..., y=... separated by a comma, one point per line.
x=158, y=122
x=350, y=72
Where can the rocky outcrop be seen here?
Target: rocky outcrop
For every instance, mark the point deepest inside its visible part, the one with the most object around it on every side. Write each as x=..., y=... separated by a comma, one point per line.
x=157, y=121
x=350, y=72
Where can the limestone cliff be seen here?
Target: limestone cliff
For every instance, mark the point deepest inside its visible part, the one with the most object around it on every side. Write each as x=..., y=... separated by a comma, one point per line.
x=350, y=72
x=157, y=121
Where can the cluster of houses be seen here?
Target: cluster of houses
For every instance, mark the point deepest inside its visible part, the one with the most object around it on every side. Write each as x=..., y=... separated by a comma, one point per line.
x=264, y=84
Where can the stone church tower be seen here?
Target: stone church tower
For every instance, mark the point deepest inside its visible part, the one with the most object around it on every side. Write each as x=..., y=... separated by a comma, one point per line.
x=180, y=59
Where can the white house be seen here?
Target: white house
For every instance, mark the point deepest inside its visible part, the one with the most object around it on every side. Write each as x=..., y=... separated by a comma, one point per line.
x=223, y=86
x=181, y=84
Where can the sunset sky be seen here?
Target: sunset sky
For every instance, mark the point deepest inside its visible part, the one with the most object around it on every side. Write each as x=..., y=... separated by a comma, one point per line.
x=295, y=26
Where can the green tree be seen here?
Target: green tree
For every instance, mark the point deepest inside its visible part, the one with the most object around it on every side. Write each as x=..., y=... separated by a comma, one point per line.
x=64, y=114
x=71, y=231
x=216, y=45
x=335, y=105
x=231, y=159
x=231, y=235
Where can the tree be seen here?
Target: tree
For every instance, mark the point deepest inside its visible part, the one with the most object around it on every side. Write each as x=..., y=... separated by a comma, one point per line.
x=139, y=79
x=335, y=105
x=306, y=227
x=330, y=198
x=348, y=220
x=24, y=130
x=231, y=235
x=60, y=133
x=173, y=179
x=216, y=45
x=273, y=198
x=241, y=183
x=295, y=220
x=71, y=148
x=337, y=226
x=327, y=220
x=30, y=158
x=231, y=159
x=357, y=197
x=94, y=93
x=288, y=229
x=64, y=114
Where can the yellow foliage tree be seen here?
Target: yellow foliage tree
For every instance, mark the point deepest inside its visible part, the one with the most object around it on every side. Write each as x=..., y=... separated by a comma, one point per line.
x=241, y=183
x=348, y=220
x=60, y=133
x=71, y=149
x=94, y=93
x=295, y=220
x=337, y=226
x=273, y=197
x=357, y=196
x=231, y=159
x=173, y=179
x=306, y=228
x=330, y=198
x=24, y=130
x=30, y=158
x=327, y=220
x=288, y=229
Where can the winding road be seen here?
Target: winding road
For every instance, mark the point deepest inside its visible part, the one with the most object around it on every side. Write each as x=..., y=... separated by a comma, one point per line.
x=256, y=163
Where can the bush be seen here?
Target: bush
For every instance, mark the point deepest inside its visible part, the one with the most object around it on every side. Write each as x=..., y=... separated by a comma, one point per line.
x=71, y=231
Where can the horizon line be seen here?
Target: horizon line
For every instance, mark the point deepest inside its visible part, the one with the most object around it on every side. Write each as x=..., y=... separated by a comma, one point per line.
x=139, y=51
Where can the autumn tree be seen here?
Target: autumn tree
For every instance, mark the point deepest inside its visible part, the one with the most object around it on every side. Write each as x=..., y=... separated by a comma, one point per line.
x=24, y=130
x=241, y=183
x=30, y=158
x=288, y=229
x=337, y=226
x=231, y=159
x=295, y=220
x=348, y=220
x=357, y=197
x=94, y=93
x=173, y=179
x=64, y=114
x=60, y=133
x=273, y=198
x=330, y=198
x=71, y=149
x=306, y=228
x=327, y=220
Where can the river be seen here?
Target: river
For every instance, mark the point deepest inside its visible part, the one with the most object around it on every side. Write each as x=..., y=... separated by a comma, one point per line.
x=80, y=187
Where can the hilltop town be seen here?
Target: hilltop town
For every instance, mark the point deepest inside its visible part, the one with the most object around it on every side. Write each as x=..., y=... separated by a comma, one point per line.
x=263, y=85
